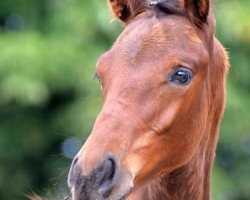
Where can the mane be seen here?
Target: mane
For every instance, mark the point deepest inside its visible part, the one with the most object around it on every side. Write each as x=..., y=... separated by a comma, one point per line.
x=170, y=7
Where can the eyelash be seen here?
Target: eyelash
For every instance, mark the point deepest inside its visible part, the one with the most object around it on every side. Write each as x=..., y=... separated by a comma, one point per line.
x=95, y=76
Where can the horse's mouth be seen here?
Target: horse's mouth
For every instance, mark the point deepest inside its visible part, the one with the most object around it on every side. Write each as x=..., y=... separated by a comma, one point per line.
x=122, y=198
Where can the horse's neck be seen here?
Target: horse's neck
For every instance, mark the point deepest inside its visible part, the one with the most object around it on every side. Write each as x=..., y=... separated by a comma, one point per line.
x=189, y=182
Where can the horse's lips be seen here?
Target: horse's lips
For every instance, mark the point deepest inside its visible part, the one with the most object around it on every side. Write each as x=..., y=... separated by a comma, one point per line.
x=123, y=198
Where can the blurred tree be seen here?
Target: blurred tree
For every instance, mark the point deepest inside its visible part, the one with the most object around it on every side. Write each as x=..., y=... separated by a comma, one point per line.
x=231, y=175
x=48, y=51
x=49, y=100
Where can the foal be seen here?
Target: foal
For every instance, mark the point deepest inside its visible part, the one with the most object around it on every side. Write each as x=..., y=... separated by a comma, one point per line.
x=163, y=88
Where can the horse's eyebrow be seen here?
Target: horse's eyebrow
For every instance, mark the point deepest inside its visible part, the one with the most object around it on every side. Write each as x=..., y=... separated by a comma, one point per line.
x=169, y=7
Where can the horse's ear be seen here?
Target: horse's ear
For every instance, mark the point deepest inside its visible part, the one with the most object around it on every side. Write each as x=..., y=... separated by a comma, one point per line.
x=126, y=10
x=197, y=9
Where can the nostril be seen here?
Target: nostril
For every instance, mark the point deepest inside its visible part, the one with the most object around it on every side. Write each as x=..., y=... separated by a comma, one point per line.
x=98, y=184
x=108, y=171
x=112, y=169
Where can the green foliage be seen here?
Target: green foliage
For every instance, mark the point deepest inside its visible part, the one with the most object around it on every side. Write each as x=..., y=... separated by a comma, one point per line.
x=48, y=51
x=231, y=174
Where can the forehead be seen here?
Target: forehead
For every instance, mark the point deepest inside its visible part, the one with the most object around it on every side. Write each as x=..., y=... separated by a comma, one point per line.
x=151, y=39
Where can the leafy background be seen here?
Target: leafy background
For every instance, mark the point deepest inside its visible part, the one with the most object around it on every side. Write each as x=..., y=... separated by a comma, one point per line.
x=49, y=100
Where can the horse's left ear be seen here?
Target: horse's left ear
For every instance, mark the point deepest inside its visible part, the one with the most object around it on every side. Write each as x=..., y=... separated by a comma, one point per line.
x=126, y=10
x=198, y=9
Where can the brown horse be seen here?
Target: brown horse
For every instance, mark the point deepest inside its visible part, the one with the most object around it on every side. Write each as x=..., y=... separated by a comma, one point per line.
x=163, y=88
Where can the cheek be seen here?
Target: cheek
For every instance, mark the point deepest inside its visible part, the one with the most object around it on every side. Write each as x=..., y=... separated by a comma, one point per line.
x=170, y=140
x=163, y=153
x=134, y=163
x=143, y=156
x=146, y=160
x=135, y=160
x=187, y=128
x=166, y=116
x=157, y=109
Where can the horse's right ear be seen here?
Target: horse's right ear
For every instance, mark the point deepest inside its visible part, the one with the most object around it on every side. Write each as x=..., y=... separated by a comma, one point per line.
x=126, y=10
x=198, y=10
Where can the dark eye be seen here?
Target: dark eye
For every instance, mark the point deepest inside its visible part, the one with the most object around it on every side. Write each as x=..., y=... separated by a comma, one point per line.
x=95, y=76
x=182, y=76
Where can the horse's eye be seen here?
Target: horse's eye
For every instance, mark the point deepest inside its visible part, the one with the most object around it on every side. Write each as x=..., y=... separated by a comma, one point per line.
x=95, y=76
x=182, y=76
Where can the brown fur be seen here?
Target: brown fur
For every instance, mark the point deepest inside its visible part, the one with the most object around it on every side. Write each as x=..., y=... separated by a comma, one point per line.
x=125, y=10
x=163, y=135
x=199, y=8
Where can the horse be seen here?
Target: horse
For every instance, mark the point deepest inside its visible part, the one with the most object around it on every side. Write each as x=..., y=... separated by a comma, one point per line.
x=163, y=89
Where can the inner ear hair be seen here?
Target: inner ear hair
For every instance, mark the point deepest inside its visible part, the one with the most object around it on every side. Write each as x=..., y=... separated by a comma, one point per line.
x=126, y=10
x=203, y=7
x=120, y=9
x=197, y=9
